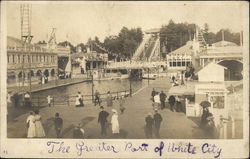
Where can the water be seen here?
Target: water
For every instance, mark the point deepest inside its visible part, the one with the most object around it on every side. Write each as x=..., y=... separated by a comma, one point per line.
x=64, y=96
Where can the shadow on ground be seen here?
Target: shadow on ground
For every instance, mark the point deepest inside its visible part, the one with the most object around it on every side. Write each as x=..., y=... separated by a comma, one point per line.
x=14, y=112
x=83, y=122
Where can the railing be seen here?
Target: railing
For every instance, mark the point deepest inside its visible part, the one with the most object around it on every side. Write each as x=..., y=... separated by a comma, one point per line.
x=70, y=100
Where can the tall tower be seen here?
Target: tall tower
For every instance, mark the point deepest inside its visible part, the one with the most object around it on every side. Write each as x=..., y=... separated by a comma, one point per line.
x=26, y=10
x=26, y=38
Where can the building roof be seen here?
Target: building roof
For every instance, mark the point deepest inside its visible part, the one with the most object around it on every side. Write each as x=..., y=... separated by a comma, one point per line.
x=197, y=70
x=13, y=42
x=186, y=49
x=188, y=89
x=224, y=43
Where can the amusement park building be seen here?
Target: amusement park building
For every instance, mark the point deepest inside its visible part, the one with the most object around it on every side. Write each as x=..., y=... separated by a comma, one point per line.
x=26, y=61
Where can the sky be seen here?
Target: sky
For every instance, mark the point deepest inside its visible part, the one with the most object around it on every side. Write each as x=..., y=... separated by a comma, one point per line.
x=77, y=21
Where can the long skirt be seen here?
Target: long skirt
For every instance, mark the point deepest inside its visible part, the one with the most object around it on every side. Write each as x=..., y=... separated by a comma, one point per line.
x=39, y=129
x=31, y=130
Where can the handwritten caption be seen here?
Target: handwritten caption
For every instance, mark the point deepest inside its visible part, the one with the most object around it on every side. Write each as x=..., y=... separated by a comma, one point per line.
x=161, y=149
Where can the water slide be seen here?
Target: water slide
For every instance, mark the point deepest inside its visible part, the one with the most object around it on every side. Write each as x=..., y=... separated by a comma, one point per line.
x=139, y=51
x=147, y=48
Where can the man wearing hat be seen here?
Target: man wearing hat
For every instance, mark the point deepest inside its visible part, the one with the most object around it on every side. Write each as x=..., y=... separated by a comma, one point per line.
x=157, y=123
x=102, y=119
x=58, y=125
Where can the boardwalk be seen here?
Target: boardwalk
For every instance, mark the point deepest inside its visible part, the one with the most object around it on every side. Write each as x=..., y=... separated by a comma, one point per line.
x=175, y=125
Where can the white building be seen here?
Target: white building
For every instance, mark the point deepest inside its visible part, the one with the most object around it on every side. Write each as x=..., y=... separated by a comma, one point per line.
x=212, y=72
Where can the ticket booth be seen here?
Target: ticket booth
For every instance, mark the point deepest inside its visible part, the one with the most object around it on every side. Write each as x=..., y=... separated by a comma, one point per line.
x=216, y=94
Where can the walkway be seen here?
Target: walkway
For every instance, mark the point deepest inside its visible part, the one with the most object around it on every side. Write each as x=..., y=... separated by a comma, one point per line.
x=175, y=125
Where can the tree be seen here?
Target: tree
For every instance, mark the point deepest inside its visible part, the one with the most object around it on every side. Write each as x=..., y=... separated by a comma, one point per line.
x=175, y=35
x=82, y=46
x=125, y=44
x=66, y=43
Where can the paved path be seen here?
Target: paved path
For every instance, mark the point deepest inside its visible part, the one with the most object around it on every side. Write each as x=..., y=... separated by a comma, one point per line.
x=175, y=125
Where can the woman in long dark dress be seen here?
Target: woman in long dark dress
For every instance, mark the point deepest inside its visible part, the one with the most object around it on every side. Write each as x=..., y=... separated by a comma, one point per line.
x=204, y=116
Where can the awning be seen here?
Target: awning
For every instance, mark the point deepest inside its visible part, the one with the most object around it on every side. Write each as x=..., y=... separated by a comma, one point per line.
x=182, y=90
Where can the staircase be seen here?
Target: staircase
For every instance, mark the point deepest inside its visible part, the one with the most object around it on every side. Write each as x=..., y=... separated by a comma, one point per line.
x=200, y=38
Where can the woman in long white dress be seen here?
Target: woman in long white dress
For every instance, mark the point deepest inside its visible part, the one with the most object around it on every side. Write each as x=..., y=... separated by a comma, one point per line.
x=31, y=125
x=38, y=125
x=115, y=122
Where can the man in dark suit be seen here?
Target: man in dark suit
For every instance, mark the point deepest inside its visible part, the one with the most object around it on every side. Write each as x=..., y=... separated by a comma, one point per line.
x=102, y=119
x=58, y=125
x=157, y=123
x=171, y=101
x=162, y=99
x=153, y=93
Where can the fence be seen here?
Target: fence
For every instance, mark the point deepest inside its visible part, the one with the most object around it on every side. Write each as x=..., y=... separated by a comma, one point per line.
x=70, y=100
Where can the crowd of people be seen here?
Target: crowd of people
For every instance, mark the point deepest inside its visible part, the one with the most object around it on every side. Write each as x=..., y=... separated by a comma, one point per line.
x=160, y=100
x=34, y=120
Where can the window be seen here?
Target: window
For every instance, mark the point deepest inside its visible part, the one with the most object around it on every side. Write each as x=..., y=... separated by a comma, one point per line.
x=174, y=64
x=218, y=101
x=178, y=63
x=18, y=58
x=13, y=58
x=170, y=64
x=182, y=63
x=8, y=58
x=23, y=61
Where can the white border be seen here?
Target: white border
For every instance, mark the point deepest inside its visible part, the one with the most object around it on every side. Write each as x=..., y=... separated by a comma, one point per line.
x=238, y=148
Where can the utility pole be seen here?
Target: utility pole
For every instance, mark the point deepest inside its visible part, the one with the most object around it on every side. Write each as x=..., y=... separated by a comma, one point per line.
x=92, y=81
x=148, y=75
x=130, y=85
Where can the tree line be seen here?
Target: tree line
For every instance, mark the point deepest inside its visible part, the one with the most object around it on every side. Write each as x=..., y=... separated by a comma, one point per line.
x=175, y=35
x=118, y=46
x=172, y=36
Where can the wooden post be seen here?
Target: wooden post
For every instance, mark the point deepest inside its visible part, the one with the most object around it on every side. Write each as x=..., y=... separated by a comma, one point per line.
x=224, y=130
x=38, y=104
x=53, y=101
x=148, y=76
x=92, y=79
x=68, y=100
x=130, y=87
x=233, y=127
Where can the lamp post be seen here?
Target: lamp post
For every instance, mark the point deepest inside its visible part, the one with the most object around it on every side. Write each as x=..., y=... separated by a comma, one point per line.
x=148, y=75
x=92, y=81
